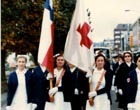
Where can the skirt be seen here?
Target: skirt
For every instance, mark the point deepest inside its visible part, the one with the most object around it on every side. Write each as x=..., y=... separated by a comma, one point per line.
x=100, y=102
x=58, y=103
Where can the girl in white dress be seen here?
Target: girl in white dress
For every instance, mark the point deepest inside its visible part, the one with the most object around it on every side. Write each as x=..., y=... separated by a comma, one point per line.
x=133, y=87
x=18, y=96
x=59, y=71
x=100, y=95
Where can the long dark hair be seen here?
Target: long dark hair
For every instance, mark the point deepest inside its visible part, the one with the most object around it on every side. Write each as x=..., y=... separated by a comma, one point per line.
x=60, y=55
x=100, y=55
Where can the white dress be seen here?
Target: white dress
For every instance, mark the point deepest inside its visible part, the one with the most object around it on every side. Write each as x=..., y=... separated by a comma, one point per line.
x=20, y=97
x=58, y=103
x=100, y=101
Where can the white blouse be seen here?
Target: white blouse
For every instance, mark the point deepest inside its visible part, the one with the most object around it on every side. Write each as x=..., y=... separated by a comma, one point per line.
x=20, y=97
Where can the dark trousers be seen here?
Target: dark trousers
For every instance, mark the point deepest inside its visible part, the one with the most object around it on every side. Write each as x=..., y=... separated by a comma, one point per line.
x=40, y=105
x=77, y=103
x=122, y=102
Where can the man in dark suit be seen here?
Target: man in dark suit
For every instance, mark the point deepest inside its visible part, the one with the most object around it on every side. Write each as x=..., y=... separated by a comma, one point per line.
x=41, y=86
x=79, y=88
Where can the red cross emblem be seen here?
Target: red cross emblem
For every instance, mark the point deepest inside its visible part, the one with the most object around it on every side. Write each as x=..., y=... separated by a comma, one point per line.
x=84, y=30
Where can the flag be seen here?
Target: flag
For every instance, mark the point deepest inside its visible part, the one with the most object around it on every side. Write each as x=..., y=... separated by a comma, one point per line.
x=45, y=52
x=79, y=45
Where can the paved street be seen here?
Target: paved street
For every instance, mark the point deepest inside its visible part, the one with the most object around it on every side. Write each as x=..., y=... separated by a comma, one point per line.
x=113, y=107
x=113, y=96
x=3, y=101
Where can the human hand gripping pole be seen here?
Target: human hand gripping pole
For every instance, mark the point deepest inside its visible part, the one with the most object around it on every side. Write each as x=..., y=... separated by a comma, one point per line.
x=89, y=73
x=53, y=91
x=50, y=77
x=91, y=102
x=92, y=94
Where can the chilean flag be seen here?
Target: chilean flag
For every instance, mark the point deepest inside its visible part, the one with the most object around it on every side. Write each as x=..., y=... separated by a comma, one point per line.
x=79, y=45
x=45, y=52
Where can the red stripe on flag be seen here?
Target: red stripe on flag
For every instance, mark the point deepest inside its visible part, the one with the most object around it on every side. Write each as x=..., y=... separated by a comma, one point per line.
x=48, y=61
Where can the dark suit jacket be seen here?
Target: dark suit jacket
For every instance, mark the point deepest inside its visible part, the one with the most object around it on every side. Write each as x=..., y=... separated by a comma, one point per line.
x=70, y=81
x=132, y=86
x=13, y=84
x=80, y=82
x=122, y=75
x=41, y=85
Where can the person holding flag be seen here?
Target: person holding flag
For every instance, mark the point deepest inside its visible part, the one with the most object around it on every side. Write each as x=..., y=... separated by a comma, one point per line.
x=79, y=87
x=79, y=48
x=45, y=57
x=101, y=82
x=70, y=86
x=41, y=86
x=60, y=86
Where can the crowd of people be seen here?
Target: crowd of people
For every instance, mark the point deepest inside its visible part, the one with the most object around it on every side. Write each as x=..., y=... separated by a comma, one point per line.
x=127, y=81
x=70, y=88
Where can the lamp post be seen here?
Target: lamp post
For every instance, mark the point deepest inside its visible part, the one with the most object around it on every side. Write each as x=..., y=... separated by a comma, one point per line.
x=128, y=10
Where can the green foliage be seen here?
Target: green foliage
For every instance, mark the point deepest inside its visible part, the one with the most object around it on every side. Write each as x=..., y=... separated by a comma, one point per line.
x=63, y=10
x=21, y=24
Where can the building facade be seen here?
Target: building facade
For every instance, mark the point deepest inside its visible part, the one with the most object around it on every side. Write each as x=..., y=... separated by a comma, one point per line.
x=121, y=37
x=135, y=40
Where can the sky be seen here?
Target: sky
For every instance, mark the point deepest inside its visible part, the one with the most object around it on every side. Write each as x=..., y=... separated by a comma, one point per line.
x=109, y=13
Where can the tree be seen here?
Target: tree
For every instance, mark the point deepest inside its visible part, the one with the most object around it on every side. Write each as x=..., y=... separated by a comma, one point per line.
x=63, y=10
x=21, y=26
x=21, y=23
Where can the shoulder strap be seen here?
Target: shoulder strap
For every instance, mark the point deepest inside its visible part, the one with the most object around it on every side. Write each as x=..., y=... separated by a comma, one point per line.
x=60, y=77
x=100, y=80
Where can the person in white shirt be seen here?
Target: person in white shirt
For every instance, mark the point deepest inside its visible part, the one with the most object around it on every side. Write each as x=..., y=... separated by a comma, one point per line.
x=58, y=89
x=133, y=87
x=100, y=85
x=20, y=94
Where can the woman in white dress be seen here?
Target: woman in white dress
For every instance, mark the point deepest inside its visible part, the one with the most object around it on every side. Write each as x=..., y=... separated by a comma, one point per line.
x=19, y=95
x=100, y=94
x=133, y=87
x=57, y=91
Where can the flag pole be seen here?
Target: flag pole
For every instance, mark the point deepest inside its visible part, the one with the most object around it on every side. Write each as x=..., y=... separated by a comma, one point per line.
x=51, y=86
x=91, y=100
